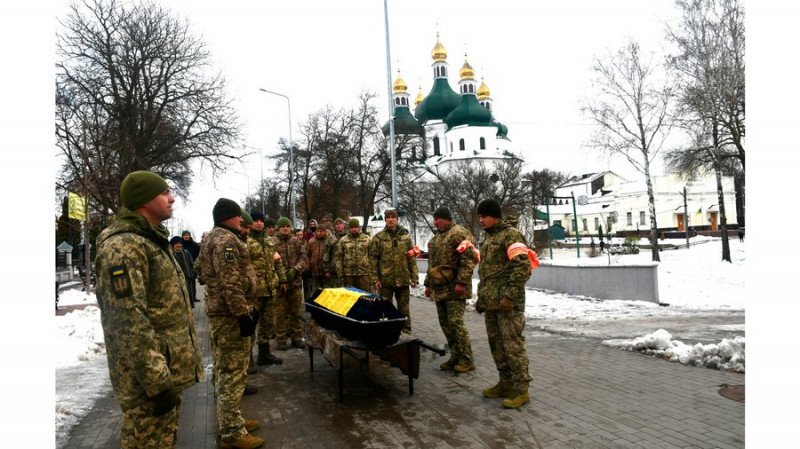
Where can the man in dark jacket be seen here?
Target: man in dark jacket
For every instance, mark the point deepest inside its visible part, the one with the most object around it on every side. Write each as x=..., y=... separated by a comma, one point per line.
x=190, y=245
x=186, y=261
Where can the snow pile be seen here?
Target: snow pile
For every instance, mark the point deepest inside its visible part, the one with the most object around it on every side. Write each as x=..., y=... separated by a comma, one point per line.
x=727, y=355
x=80, y=337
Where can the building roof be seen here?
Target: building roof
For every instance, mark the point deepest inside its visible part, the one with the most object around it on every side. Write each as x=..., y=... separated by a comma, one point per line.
x=438, y=103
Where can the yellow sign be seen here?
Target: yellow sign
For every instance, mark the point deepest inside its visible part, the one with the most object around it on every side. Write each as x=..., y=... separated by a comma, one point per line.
x=338, y=300
x=77, y=206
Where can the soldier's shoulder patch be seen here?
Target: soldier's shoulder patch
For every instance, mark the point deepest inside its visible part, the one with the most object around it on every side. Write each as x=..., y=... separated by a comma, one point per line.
x=230, y=253
x=120, y=280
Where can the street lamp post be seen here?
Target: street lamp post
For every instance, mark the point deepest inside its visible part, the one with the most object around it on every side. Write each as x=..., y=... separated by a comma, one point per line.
x=391, y=106
x=291, y=155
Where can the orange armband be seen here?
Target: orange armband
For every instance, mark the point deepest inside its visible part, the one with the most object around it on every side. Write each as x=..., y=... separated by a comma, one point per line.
x=414, y=252
x=516, y=249
x=467, y=244
x=276, y=256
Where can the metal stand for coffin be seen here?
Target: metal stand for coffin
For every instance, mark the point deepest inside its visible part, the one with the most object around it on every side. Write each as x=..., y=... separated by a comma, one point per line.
x=340, y=335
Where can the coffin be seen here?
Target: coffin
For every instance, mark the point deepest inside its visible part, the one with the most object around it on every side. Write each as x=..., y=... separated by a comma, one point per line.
x=357, y=315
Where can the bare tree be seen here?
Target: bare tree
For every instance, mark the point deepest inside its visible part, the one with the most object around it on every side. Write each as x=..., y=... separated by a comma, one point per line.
x=710, y=67
x=132, y=93
x=632, y=111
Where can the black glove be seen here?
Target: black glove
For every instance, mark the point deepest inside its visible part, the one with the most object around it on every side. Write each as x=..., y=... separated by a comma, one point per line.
x=165, y=401
x=255, y=315
x=479, y=307
x=247, y=327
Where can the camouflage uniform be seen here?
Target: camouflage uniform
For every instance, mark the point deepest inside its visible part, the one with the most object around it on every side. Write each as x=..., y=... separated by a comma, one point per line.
x=501, y=277
x=351, y=259
x=319, y=261
x=273, y=276
x=335, y=281
x=288, y=307
x=446, y=268
x=231, y=289
x=394, y=264
x=148, y=327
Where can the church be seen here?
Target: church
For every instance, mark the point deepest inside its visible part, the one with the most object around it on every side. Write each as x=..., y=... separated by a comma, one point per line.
x=456, y=126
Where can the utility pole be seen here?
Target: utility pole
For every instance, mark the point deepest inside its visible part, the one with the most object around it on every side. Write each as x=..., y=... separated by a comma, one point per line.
x=685, y=218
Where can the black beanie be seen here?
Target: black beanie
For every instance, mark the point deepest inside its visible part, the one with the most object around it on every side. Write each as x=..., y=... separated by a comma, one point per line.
x=257, y=215
x=491, y=208
x=176, y=239
x=269, y=223
x=140, y=187
x=225, y=209
x=444, y=213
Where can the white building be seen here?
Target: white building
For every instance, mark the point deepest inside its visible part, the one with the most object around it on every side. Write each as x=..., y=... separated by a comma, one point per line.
x=621, y=206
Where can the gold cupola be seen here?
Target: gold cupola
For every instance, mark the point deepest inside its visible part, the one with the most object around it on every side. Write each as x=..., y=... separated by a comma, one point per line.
x=483, y=91
x=419, y=98
x=399, y=86
x=439, y=53
x=466, y=72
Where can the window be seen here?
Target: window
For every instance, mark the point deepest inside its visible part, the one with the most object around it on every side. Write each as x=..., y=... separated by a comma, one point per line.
x=557, y=222
x=608, y=225
x=629, y=218
x=596, y=223
x=641, y=218
x=436, y=151
x=483, y=143
x=585, y=227
x=461, y=145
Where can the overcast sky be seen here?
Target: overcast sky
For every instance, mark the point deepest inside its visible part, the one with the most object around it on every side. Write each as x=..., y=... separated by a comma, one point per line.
x=534, y=56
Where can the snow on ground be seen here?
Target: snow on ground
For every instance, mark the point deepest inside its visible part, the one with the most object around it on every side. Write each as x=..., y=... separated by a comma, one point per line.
x=694, y=282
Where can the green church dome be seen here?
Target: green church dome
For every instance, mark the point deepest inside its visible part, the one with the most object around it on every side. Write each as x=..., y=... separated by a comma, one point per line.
x=439, y=102
x=469, y=112
x=404, y=123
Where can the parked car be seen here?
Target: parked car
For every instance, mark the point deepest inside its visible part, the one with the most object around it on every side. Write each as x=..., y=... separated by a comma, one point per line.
x=623, y=248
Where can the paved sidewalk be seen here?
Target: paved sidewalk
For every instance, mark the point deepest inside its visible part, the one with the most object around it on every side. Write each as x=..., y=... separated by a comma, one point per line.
x=584, y=395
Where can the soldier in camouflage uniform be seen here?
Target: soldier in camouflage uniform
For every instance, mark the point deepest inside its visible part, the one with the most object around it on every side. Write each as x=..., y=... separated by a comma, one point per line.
x=448, y=282
x=339, y=231
x=393, y=265
x=148, y=327
x=289, y=306
x=320, y=249
x=351, y=258
x=271, y=284
x=501, y=295
x=231, y=286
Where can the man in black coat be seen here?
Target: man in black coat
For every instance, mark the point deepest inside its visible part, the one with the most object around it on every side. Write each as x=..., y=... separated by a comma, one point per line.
x=186, y=261
x=190, y=245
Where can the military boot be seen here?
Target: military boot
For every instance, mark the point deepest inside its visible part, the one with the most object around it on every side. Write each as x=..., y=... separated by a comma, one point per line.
x=464, y=367
x=502, y=388
x=516, y=399
x=251, y=365
x=282, y=345
x=251, y=424
x=247, y=441
x=265, y=357
x=250, y=389
x=449, y=364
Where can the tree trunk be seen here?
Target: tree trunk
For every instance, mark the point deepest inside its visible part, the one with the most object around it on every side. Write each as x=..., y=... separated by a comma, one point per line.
x=651, y=205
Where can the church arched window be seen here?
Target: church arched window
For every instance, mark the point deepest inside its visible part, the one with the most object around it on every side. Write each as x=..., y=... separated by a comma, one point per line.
x=461, y=145
x=483, y=143
x=436, y=151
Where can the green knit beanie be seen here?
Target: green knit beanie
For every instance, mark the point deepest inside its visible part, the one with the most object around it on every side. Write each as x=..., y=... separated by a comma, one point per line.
x=283, y=221
x=225, y=209
x=248, y=219
x=140, y=187
x=353, y=223
x=443, y=213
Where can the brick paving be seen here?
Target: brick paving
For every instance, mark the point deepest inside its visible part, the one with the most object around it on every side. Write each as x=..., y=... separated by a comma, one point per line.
x=584, y=395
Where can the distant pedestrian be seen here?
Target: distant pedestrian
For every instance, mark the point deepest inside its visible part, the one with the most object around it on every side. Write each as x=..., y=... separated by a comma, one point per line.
x=186, y=261
x=448, y=283
x=190, y=245
x=148, y=326
x=504, y=269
